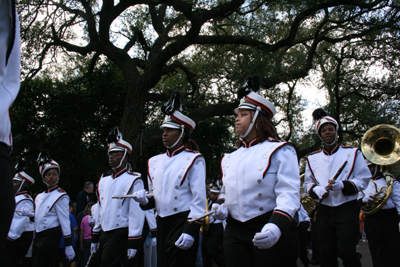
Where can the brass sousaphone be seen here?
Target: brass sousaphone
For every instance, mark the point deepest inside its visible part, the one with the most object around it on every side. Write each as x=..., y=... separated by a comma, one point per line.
x=381, y=146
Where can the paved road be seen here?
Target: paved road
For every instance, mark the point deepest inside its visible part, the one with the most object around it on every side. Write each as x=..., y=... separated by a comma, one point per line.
x=362, y=248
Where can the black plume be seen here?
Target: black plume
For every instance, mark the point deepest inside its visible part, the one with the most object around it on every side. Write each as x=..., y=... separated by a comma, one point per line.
x=43, y=158
x=216, y=178
x=174, y=103
x=318, y=114
x=114, y=136
x=252, y=83
x=21, y=166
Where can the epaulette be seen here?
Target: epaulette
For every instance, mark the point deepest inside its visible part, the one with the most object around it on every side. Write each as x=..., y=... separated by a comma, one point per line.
x=60, y=190
x=135, y=173
x=348, y=147
x=271, y=139
x=192, y=151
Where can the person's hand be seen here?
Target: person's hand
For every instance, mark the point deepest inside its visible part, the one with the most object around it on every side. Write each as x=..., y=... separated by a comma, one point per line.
x=131, y=253
x=69, y=253
x=268, y=236
x=94, y=247
x=26, y=212
x=337, y=185
x=154, y=241
x=320, y=191
x=140, y=196
x=185, y=241
x=221, y=212
x=367, y=198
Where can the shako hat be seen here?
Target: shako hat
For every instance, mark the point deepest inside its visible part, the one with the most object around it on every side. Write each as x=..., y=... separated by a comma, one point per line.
x=173, y=117
x=46, y=163
x=116, y=143
x=21, y=175
x=320, y=118
x=249, y=99
x=216, y=184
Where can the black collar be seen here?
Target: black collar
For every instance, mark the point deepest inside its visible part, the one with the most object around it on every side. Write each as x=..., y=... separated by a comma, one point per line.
x=116, y=175
x=334, y=150
x=252, y=142
x=176, y=151
x=51, y=189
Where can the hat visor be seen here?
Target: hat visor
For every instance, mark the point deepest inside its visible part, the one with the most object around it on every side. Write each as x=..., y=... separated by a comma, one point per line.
x=170, y=125
x=244, y=106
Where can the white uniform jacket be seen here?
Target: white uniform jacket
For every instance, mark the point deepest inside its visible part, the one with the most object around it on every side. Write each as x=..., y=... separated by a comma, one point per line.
x=10, y=61
x=120, y=213
x=394, y=198
x=322, y=166
x=21, y=224
x=262, y=177
x=52, y=210
x=178, y=181
x=151, y=221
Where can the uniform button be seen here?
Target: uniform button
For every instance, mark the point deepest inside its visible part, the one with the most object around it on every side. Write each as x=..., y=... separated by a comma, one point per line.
x=117, y=224
x=124, y=189
x=317, y=174
x=229, y=156
x=175, y=197
x=316, y=167
x=183, y=167
x=48, y=207
x=118, y=215
x=224, y=174
x=261, y=208
x=188, y=158
x=345, y=171
x=154, y=159
x=102, y=198
x=176, y=187
x=313, y=159
x=119, y=206
x=179, y=176
x=44, y=220
x=272, y=146
x=227, y=165
x=259, y=181
x=154, y=169
x=259, y=194
x=175, y=209
x=259, y=168
x=44, y=227
x=265, y=157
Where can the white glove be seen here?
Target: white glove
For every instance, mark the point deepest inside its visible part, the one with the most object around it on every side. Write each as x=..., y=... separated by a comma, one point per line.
x=338, y=185
x=268, y=236
x=94, y=247
x=26, y=212
x=221, y=212
x=154, y=241
x=140, y=196
x=367, y=198
x=319, y=191
x=131, y=253
x=69, y=253
x=185, y=241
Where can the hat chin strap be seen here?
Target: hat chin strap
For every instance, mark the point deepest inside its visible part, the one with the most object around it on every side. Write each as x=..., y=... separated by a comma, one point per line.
x=334, y=141
x=22, y=183
x=252, y=123
x=177, y=141
x=122, y=160
x=50, y=184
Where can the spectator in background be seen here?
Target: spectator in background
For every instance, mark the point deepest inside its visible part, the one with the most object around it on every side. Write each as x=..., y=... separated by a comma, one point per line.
x=61, y=259
x=84, y=197
x=85, y=236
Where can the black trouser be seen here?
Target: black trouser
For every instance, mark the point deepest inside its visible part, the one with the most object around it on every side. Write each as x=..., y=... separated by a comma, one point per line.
x=169, y=229
x=212, y=247
x=45, y=245
x=302, y=234
x=240, y=251
x=382, y=229
x=14, y=251
x=338, y=233
x=6, y=194
x=113, y=248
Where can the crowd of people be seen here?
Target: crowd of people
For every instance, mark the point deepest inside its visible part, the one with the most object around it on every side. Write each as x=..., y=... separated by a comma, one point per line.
x=249, y=216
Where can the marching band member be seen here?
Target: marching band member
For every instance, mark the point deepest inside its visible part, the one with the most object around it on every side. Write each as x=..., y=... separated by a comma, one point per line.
x=51, y=216
x=213, y=238
x=20, y=234
x=120, y=220
x=177, y=179
x=10, y=72
x=261, y=187
x=382, y=227
x=337, y=227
